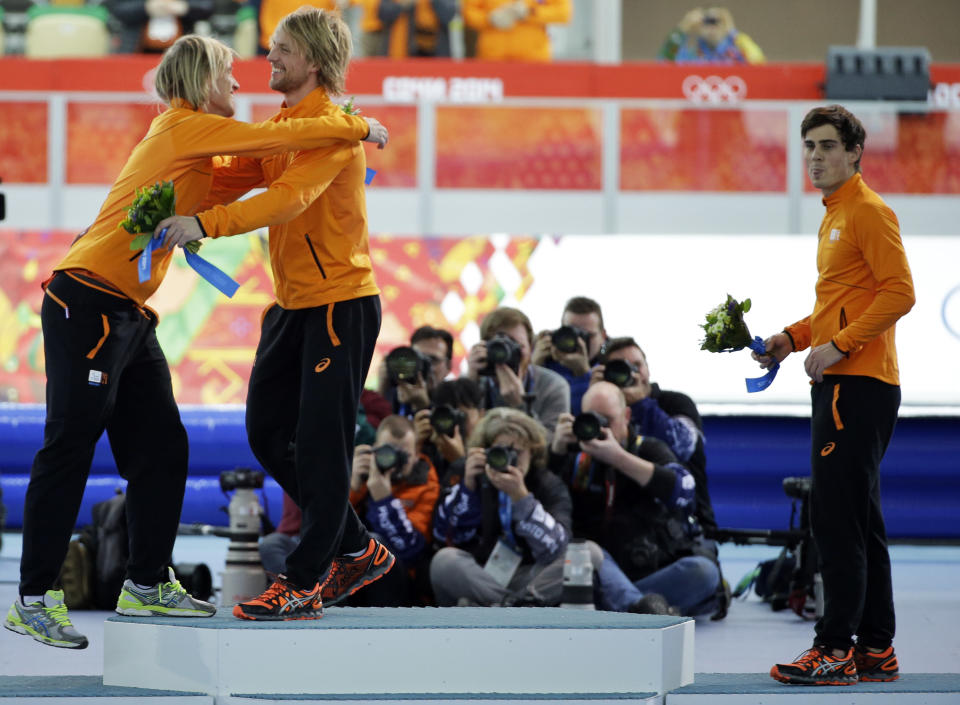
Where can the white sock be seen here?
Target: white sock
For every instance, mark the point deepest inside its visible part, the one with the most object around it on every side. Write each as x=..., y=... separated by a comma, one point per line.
x=27, y=600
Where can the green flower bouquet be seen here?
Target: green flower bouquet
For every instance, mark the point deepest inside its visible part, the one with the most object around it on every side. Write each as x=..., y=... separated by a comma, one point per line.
x=349, y=108
x=725, y=330
x=151, y=205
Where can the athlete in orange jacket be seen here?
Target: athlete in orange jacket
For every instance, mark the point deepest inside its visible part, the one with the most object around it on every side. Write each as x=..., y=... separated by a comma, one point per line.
x=105, y=369
x=864, y=287
x=317, y=341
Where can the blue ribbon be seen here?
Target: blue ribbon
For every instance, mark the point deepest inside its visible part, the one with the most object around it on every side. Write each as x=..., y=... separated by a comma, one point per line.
x=213, y=274
x=758, y=384
x=506, y=519
x=369, y=177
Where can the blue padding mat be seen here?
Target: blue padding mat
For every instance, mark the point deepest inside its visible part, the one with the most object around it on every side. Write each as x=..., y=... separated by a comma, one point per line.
x=761, y=683
x=430, y=618
x=76, y=686
x=470, y=697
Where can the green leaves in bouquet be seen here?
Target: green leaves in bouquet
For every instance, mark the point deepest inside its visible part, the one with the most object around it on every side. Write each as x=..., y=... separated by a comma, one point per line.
x=349, y=108
x=724, y=329
x=151, y=205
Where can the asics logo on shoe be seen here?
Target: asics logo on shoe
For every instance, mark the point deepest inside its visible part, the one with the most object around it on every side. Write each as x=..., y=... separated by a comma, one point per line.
x=830, y=667
x=827, y=449
x=294, y=602
x=322, y=365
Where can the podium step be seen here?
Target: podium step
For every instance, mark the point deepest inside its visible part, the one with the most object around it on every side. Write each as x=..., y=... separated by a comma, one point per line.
x=83, y=690
x=761, y=689
x=432, y=653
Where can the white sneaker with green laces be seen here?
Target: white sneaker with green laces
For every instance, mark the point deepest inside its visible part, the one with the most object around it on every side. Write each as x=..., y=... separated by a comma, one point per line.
x=46, y=621
x=167, y=599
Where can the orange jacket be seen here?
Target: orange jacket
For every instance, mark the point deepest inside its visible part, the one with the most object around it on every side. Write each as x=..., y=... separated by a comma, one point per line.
x=418, y=500
x=180, y=145
x=864, y=285
x=315, y=205
x=526, y=40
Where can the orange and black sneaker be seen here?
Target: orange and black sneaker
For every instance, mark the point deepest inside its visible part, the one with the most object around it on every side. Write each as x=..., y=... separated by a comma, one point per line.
x=282, y=601
x=876, y=667
x=350, y=573
x=818, y=666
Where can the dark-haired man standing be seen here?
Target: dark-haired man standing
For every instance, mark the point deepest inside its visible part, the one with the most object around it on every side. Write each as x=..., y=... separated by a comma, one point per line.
x=864, y=287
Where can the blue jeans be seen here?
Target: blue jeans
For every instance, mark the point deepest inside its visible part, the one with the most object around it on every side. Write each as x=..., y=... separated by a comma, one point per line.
x=689, y=584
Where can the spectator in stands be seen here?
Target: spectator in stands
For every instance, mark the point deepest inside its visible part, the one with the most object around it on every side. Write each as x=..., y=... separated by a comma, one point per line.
x=709, y=36
x=515, y=382
x=632, y=497
x=462, y=401
x=515, y=30
x=417, y=27
x=154, y=25
x=434, y=350
x=506, y=525
x=582, y=325
x=272, y=11
x=395, y=490
x=669, y=416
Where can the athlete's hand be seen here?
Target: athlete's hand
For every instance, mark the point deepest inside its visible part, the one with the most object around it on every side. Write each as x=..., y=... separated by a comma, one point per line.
x=777, y=347
x=181, y=229
x=378, y=133
x=819, y=359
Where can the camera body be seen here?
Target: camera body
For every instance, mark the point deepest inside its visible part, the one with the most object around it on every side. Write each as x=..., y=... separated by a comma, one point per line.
x=499, y=458
x=619, y=372
x=241, y=478
x=797, y=487
x=501, y=349
x=589, y=425
x=566, y=339
x=445, y=419
x=389, y=457
x=406, y=364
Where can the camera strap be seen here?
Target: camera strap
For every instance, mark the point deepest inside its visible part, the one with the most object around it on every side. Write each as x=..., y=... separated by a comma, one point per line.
x=506, y=519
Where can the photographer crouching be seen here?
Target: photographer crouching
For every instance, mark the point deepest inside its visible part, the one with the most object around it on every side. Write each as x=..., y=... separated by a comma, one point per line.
x=632, y=497
x=506, y=525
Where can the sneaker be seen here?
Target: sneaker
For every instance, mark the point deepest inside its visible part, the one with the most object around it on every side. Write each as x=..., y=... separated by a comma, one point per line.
x=46, y=621
x=167, y=599
x=350, y=573
x=653, y=603
x=282, y=601
x=876, y=667
x=818, y=666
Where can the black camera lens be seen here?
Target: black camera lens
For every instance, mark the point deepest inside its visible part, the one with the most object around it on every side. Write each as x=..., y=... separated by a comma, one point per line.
x=587, y=426
x=241, y=478
x=500, y=458
x=501, y=350
x=445, y=419
x=566, y=339
x=404, y=364
x=796, y=487
x=619, y=372
x=388, y=457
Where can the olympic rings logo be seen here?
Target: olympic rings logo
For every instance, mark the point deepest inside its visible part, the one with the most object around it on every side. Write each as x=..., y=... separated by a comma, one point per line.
x=714, y=89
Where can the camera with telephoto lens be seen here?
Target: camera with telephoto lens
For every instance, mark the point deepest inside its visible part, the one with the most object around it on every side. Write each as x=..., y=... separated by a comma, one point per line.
x=445, y=419
x=588, y=425
x=566, y=339
x=499, y=458
x=619, y=372
x=502, y=350
x=389, y=457
x=241, y=478
x=406, y=364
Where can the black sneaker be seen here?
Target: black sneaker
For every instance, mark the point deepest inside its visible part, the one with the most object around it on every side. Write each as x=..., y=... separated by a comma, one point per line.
x=653, y=603
x=348, y=574
x=881, y=667
x=818, y=666
x=282, y=601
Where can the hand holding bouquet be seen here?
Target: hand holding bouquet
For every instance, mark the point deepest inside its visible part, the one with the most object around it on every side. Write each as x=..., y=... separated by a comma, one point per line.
x=726, y=331
x=151, y=205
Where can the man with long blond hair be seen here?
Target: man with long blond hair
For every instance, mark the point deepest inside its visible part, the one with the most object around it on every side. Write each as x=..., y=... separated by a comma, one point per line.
x=318, y=338
x=105, y=369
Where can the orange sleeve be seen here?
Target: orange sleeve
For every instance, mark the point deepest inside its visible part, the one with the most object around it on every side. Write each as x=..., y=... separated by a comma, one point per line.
x=878, y=234
x=420, y=513
x=301, y=184
x=205, y=135
x=232, y=178
x=475, y=14
x=800, y=332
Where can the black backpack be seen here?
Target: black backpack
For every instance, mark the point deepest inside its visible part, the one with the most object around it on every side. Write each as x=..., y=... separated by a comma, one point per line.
x=96, y=563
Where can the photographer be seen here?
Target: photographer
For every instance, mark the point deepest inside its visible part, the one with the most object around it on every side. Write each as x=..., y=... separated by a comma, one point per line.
x=442, y=430
x=575, y=347
x=506, y=524
x=409, y=374
x=669, y=416
x=395, y=490
x=632, y=498
x=500, y=364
